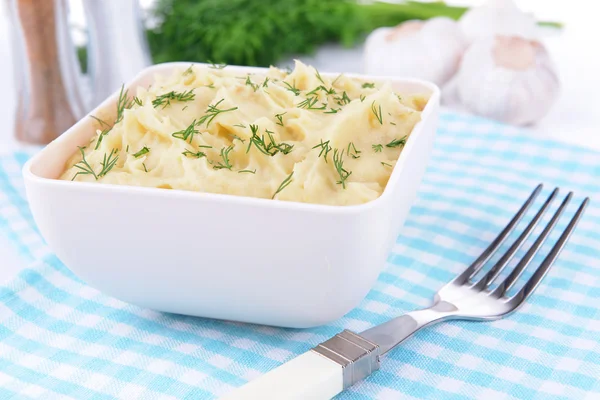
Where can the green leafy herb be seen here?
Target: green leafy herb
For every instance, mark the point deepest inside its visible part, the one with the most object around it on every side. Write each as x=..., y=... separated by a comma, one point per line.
x=392, y=123
x=319, y=76
x=329, y=91
x=104, y=132
x=338, y=163
x=362, y=98
x=145, y=169
x=212, y=111
x=236, y=137
x=189, y=71
x=123, y=104
x=226, y=163
x=397, y=142
x=247, y=171
x=266, y=82
x=83, y=166
x=352, y=151
x=187, y=134
x=377, y=148
x=269, y=149
x=325, y=149
x=292, y=88
x=309, y=104
x=143, y=151
x=283, y=147
x=197, y=154
x=284, y=184
x=241, y=125
x=252, y=85
x=280, y=118
x=216, y=66
x=343, y=100
x=137, y=101
x=108, y=162
x=165, y=99
x=333, y=110
x=210, y=86
x=336, y=79
x=386, y=164
x=377, y=112
x=368, y=85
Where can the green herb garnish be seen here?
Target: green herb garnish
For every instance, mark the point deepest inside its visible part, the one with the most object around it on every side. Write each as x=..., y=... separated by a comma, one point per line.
x=344, y=99
x=338, y=163
x=292, y=88
x=377, y=148
x=108, y=162
x=212, y=111
x=226, y=164
x=197, y=154
x=377, y=112
x=145, y=169
x=325, y=148
x=137, y=101
x=240, y=125
x=309, y=104
x=397, y=142
x=362, y=98
x=248, y=171
x=269, y=149
x=215, y=65
x=104, y=132
x=266, y=82
x=392, y=123
x=352, y=151
x=319, y=76
x=333, y=111
x=368, y=85
x=123, y=104
x=284, y=184
x=127, y=149
x=252, y=85
x=83, y=166
x=280, y=118
x=187, y=134
x=143, y=151
x=189, y=70
x=386, y=164
x=329, y=91
x=165, y=99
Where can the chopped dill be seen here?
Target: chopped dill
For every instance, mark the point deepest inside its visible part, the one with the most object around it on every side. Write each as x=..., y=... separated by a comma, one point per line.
x=368, y=85
x=247, y=171
x=197, y=154
x=352, y=151
x=144, y=150
x=333, y=110
x=319, y=76
x=189, y=71
x=284, y=184
x=338, y=162
x=325, y=148
x=344, y=99
x=377, y=148
x=392, y=123
x=377, y=112
x=397, y=142
x=145, y=169
x=215, y=65
x=104, y=132
x=212, y=111
x=280, y=118
x=268, y=149
x=83, y=166
x=137, y=101
x=251, y=84
x=226, y=163
x=292, y=88
x=362, y=98
x=266, y=82
x=386, y=164
x=187, y=134
x=108, y=162
x=165, y=99
x=127, y=149
x=309, y=104
x=240, y=125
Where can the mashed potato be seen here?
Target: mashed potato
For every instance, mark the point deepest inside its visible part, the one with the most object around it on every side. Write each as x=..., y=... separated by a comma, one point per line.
x=295, y=136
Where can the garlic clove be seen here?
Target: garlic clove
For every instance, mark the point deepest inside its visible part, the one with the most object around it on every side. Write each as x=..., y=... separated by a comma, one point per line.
x=509, y=79
x=429, y=50
x=498, y=17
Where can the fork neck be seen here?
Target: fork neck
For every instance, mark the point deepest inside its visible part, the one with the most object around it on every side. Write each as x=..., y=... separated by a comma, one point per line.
x=393, y=332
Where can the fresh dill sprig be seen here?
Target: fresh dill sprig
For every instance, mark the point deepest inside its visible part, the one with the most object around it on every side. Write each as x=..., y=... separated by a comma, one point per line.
x=269, y=149
x=103, y=133
x=336, y=79
x=386, y=164
x=236, y=137
x=280, y=118
x=368, y=85
x=309, y=104
x=377, y=112
x=83, y=166
x=137, y=101
x=329, y=91
x=144, y=150
x=210, y=86
x=212, y=111
x=197, y=154
x=189, y=71
x=377, y=148
x=266, y=82
x=247, y=171
x=292, y=88
x=325, y=149
x=145, y=169
x=319, y=76
x=108, y=162
x=123, y=104
x=343, y=100
x=333, y=111
x=226, y=163
x=283, y=147
x=392, y=123
x=397, y=142
x=187, y=134
x=284, y=184
x=215, y=65
x=362, y=98
x=251, y=84
x=338, y=163
x=352, y=151
x=240, y=125
x=165, y=99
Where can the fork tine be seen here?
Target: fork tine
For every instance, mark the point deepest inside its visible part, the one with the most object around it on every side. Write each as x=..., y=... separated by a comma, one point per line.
x=497, y=242
x=493, y=273
x=543, y=269
x=522, y=265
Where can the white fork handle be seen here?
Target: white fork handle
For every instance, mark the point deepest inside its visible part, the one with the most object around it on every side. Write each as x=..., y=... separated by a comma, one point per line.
x=308, y=376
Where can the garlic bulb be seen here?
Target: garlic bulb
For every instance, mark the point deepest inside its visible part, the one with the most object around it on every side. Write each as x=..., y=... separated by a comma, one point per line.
x=497, y=17
x=429, y=50
x=506, y=78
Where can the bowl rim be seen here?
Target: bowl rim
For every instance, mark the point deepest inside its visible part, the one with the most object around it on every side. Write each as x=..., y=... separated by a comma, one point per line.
x=427, y=112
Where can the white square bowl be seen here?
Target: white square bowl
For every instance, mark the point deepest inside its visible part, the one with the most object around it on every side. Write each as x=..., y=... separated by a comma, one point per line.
x=221, y=256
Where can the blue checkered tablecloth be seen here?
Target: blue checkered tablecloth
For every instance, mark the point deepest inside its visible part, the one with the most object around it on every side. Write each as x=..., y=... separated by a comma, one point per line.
x=60, y=338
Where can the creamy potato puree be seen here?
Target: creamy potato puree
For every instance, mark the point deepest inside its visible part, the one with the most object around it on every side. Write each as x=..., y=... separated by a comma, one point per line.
x=295, y=136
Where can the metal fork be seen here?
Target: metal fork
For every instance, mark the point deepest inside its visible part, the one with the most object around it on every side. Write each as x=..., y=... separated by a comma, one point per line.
x=347, y=358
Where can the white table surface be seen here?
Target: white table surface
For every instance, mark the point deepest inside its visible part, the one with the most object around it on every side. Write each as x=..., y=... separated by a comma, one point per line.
x=573, y=119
